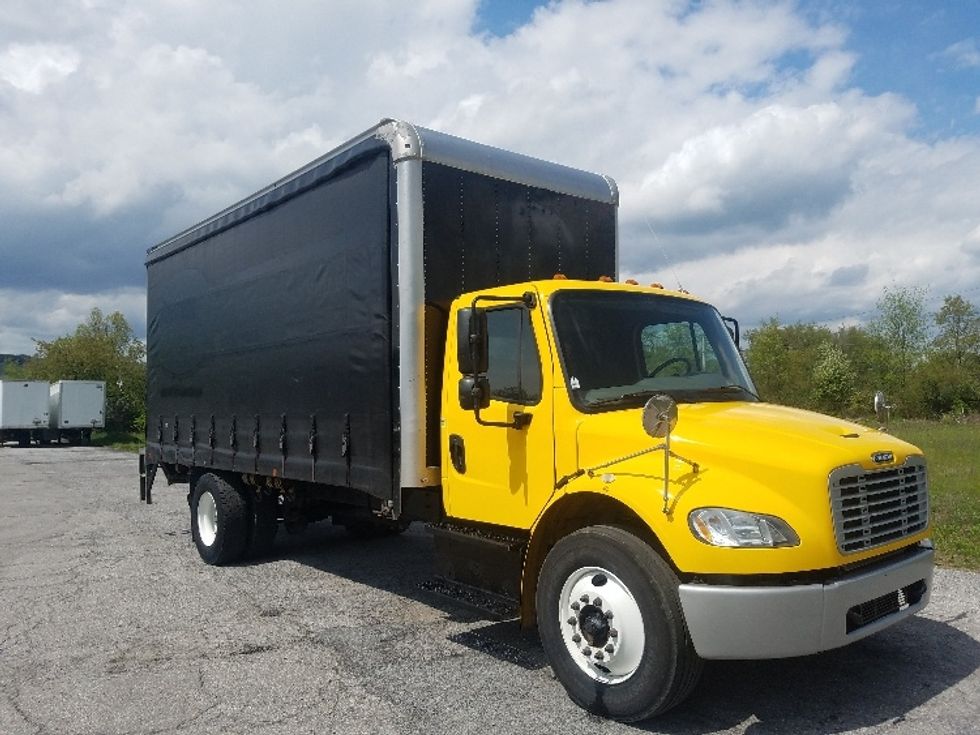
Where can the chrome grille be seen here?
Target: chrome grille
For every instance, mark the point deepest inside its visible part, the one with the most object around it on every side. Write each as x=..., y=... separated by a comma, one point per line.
x=875, y=507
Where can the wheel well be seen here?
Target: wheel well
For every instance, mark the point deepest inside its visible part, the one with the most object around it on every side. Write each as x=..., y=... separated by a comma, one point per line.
x=196, y=473
x=568, y=515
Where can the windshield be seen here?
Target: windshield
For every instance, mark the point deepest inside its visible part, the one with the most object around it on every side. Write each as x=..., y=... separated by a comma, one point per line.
x=618, y=349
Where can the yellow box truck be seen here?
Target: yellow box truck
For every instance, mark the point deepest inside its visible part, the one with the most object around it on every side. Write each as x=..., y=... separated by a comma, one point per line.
x=419, y=327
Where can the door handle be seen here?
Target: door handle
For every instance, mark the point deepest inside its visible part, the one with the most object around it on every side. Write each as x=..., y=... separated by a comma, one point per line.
x=457, y=453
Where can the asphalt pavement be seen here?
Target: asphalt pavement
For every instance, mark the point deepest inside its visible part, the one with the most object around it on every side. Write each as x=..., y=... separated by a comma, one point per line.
x=110, y=623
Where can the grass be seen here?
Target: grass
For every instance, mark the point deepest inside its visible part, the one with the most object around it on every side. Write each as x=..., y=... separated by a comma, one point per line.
x=953, y=454
x=126, y=441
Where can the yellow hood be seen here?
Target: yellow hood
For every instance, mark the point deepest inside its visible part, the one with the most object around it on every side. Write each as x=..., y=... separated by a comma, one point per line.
x=744, y=436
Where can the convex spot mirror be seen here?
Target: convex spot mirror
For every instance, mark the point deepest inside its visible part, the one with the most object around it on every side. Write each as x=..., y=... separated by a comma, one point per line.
x=474, y=392
x=659, y=415
x=472, y=343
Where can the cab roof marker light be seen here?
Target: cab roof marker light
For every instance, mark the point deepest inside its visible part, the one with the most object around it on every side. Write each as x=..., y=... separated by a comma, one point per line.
x=605, y=279
x=559, y=277
x=657, y=285
x=631, y=282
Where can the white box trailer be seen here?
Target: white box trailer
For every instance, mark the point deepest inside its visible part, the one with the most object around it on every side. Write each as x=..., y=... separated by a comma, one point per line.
x=24, y=410
x=76, y=408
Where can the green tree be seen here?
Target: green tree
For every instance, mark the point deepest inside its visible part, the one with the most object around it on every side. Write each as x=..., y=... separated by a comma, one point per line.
x=959, y=329
x=947, y=382
x=102, y=348
x=833, y=379
x=940, y=387
x=901, y=325
x=781, y=359
x=867, y=355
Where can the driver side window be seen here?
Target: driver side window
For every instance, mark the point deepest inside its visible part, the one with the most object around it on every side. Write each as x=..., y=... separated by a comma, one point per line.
x=514, y=367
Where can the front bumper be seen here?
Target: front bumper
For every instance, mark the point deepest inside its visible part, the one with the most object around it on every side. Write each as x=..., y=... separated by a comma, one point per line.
x=730, y=622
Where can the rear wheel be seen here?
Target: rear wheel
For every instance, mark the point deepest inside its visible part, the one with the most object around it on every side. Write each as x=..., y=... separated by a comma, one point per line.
x=611, y=625
x=219, y=520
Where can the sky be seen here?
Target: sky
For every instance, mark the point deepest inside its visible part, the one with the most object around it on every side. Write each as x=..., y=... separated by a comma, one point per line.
x=787, y=159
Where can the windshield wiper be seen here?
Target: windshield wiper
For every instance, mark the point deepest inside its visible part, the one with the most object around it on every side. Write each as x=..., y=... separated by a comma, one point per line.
x=730, y=388
x=623, y=398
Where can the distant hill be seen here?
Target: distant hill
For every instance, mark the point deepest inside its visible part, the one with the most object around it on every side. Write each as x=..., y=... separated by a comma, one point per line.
x=12, y=359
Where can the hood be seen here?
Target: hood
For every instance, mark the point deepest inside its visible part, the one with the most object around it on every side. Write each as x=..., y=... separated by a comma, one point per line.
x=743, y=435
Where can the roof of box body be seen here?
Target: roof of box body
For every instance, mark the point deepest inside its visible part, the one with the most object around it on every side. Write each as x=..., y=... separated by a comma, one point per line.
x=406, y=142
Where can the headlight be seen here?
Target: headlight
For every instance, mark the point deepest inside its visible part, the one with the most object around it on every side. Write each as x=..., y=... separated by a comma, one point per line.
x=735, y=528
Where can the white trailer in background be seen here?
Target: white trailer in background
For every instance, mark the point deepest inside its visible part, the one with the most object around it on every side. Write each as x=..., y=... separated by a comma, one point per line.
x=23, y=410
x=76, y=408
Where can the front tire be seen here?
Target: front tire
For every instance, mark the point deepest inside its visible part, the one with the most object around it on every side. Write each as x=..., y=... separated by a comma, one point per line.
x=611, y=625
x=219, y=520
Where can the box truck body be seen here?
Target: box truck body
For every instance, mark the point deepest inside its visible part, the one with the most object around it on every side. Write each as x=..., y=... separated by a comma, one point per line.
x=417, y=327
x=76, y=408
x=301, y=332
x=23, y=408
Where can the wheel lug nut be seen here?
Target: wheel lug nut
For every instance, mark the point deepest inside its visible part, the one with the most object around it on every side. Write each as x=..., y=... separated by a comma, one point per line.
x=572, y=620
x=613, y=633
x=610, y=648
x=587, y=651
x=585, y=599
x=576, y=606
x=576, y=638
x=609, y=615
x=597, y=602
x=599, y=656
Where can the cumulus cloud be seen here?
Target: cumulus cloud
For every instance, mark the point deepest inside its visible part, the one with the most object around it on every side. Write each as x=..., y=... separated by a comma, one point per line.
x=32, y=67
x=748, y=163
x=777, y=163
x=971, y=244
x=964, y=54
x=26, y=316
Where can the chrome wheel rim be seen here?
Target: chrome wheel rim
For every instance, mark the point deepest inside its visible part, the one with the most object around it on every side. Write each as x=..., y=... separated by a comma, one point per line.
x=207, y=519
x=601, y=625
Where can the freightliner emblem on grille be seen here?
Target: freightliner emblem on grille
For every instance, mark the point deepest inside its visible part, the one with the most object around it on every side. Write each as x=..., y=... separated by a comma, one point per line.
x=883, y=457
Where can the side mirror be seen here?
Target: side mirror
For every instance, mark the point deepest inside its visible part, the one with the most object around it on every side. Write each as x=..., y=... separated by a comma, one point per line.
x=882, y=409
x=472, y=346
x=474, y=392
x=733, y=329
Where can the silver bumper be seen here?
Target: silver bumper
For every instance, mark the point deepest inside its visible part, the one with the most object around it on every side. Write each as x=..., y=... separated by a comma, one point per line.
x=776, y=622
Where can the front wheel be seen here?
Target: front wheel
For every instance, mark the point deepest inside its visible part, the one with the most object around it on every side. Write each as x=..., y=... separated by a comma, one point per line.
x=611, y=625
x=219, y=520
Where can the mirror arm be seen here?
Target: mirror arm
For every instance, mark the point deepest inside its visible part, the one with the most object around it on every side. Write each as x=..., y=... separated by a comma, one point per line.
x=521, y=420
x=528, y=299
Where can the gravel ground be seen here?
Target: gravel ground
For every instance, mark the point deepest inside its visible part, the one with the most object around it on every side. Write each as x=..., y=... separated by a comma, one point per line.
x=110, y=623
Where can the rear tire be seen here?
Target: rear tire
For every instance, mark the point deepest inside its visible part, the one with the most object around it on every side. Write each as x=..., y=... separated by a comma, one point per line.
x=629, y=655
x=219, y=520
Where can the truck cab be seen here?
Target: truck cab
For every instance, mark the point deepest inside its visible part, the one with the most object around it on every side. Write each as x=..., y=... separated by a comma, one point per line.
x=763, y=531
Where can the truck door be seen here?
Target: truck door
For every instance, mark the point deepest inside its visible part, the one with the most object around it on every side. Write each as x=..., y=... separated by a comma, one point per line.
x=494, y=474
